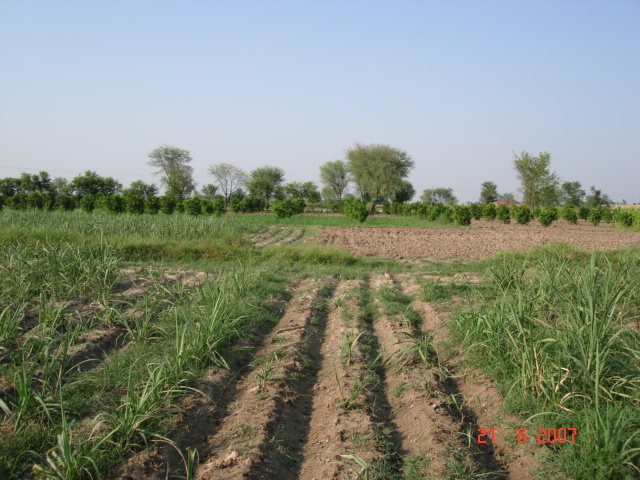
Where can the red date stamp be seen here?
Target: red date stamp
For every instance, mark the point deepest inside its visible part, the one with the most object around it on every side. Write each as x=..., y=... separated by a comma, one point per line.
x=544, y=435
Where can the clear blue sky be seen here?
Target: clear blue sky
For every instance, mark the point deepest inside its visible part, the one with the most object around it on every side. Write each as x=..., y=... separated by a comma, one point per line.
x=459, y=85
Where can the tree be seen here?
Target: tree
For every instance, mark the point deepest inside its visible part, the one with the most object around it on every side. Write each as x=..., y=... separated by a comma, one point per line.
x=405, y=193
x=92, y=183
x=173, y=164
x=489, y=192
x=229, y=179
x=335, y=176
x=378, y=170
x=597, y=198
x=210, y=191
x=444, y=196
x=539, y=185
x=59, y=185
x=263, y=182
x=572, y=193
x=141, y=189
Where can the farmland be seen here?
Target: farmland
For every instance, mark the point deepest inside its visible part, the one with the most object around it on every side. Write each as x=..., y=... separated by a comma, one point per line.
x=172, y=346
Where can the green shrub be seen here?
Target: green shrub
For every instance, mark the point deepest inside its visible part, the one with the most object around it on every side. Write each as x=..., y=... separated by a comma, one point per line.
x=489, y=211
x=522, y=214
x=35, y=201
x=219, y=207
x=583, y=213
x=247, y=205
x=111, y=203
x=547, y=216
x=570, y=214
x=193, y=206
x=88, y=203
x=595, y=215
x=462, y=215
x=356, y=209
x=288, y=208
x=624, y=217
x=152, y=205
x=476, y=211
x=134, y=204
x=168, y=204
x=17, y=201
x=65, y=203
x=502, y=212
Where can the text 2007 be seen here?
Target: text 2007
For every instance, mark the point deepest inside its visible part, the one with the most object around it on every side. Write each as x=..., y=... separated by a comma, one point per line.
x=544, y=435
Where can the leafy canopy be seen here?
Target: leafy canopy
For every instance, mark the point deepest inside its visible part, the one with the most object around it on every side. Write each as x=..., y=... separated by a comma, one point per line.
x=378, y=170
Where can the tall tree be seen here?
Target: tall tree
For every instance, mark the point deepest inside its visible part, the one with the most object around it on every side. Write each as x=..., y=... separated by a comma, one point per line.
x=229, y=179
x=378, y=170
x=405, y=193
x=489, y=192
x=572, y=194
x=335, y=176
x=173, y=164
x=439, y=195
x=597, y=198
x=539, y=185
x=264, y=181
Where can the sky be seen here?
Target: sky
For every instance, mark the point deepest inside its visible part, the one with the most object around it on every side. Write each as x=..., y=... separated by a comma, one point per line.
x=461, y=86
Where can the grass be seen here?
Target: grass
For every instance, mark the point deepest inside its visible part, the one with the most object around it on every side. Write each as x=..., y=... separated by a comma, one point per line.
x=555, y=326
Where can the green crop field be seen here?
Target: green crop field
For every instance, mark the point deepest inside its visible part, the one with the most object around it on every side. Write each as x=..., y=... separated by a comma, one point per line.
x=177, y=346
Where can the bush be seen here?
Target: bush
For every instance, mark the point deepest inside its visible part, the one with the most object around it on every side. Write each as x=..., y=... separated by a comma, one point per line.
x=476, y=210
x=247, y=205
x=356, y=209
x=17, y=201
x=193, y=206
x=489, y=211
x=35, y=200
x=88, y=203
x=522, y=214
x=219, y=207
x=502, y=212
x=596, y=214
x=435, y=211
x=152, y=205
x=624, y=217
x=135, y=204
x=168, y=204
x=111, y=203
x=570, y=214
x=462, y=214
x=547, y=216
x=583, y=213
x=288, y=208
x=65, y=202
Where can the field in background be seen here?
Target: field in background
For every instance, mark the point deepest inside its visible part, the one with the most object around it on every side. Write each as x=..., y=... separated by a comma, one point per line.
x=207, y=347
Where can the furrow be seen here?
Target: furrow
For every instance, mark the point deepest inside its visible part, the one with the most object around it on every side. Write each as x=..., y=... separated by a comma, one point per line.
x=249, y=439
x=483, y=404
x=339, y=415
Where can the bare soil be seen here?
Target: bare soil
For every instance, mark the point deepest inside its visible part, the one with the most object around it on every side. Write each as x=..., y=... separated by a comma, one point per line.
x=481, y=240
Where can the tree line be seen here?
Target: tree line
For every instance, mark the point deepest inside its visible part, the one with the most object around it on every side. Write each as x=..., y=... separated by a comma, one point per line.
x=376, y=172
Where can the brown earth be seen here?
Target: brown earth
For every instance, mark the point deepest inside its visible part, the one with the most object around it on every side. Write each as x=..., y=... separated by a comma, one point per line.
x=481, y=240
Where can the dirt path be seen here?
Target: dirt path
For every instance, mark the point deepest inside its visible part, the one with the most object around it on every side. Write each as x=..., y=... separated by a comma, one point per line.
x=481, y=240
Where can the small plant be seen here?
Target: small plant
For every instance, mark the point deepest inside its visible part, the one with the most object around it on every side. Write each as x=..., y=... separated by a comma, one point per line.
x=414, y=348
x=265, y=371
x=365, y=472
x=288, y=208
x=350, y=401
x=522, y=214
x=349, y=342
x=462, y=215
x=547, y=216
x=502, y=212
x=570, y=214
x=596, y=215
